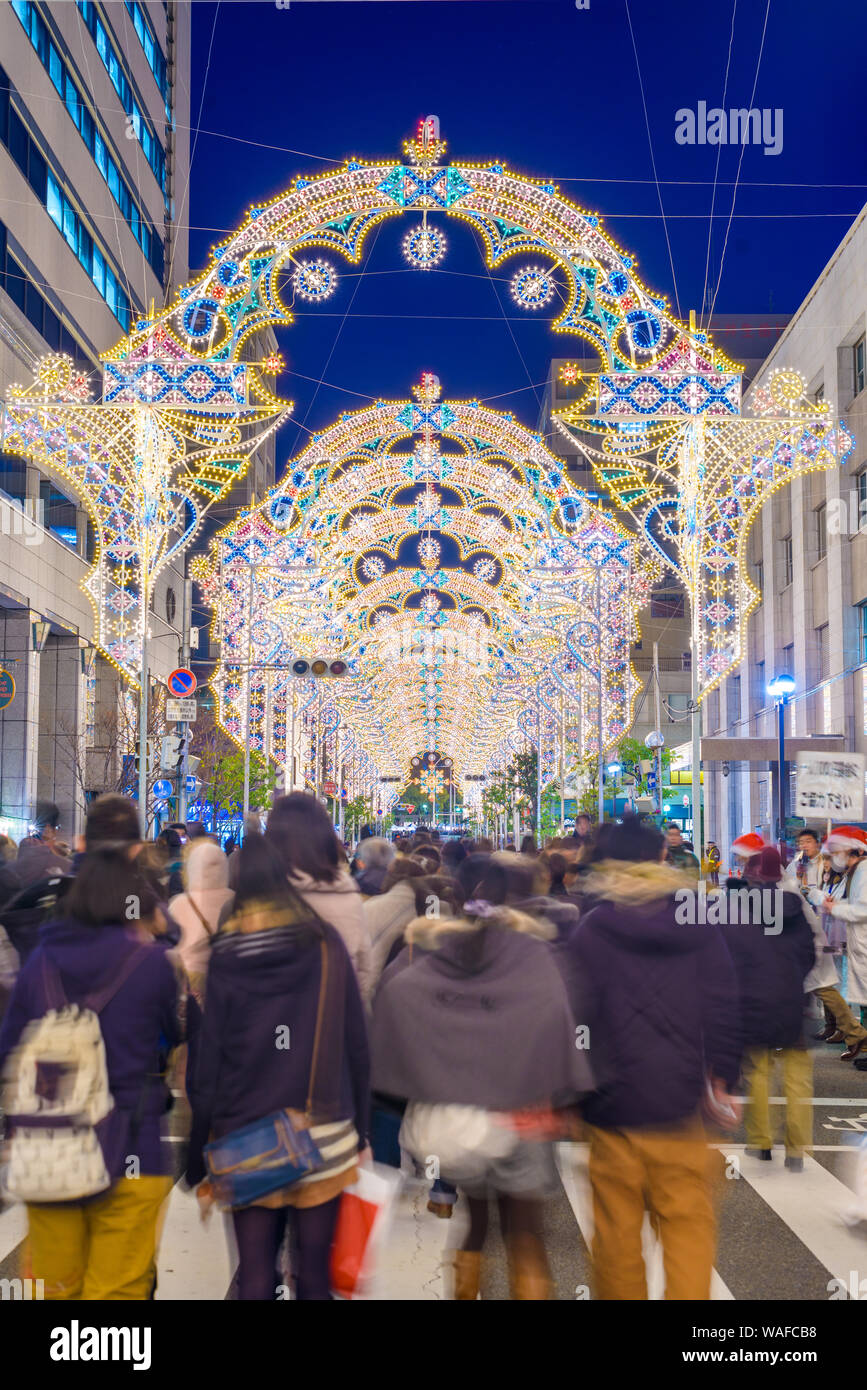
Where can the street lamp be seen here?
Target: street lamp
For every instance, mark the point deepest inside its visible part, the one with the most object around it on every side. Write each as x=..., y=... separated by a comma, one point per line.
x=780, y=689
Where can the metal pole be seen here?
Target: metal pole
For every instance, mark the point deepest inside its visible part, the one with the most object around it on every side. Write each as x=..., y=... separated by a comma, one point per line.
x=697, y=827
x=289, y=774
x=657, y=753
x=538, y=763
x=781, y=763
x=562, y=763
x=184, y=729
x=143, y=725
x=249, y=692
x=601, y=770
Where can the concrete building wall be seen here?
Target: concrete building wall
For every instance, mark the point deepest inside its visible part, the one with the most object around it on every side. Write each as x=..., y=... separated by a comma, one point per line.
x=49, y=300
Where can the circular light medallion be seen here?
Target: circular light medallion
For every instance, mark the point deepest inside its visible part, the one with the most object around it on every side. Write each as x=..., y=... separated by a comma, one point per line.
x=314, y=280
x=532, y=287
x=424, y=247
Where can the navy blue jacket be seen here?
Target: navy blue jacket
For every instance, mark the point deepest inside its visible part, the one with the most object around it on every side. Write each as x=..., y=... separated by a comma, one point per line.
x=773, y=951
x=660, y=1002
x=255, y=992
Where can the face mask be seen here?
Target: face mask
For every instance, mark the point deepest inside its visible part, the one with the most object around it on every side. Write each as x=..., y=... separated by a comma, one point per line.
x=840, y=860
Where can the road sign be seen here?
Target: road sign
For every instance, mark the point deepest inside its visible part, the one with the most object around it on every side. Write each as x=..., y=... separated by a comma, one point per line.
x=182, y=682
x=181, y=711
x=329, y=788
x=7, y=689
x=192, y=785
x=163, y=789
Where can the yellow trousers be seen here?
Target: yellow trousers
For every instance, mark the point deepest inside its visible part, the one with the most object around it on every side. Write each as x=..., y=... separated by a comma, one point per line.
x=101, y=1250
x=797, y=1067
x=668, y=1173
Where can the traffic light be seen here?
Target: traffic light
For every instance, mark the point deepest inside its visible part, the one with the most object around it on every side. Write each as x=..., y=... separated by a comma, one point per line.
x=317, y=666
x=172, y=751
x=151, y=758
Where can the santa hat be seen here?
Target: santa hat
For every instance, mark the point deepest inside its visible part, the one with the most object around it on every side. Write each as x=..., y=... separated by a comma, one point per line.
x=847, y=837
x=747, y=845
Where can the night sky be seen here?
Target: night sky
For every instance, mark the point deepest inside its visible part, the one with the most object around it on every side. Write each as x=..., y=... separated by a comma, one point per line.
x=551, y=91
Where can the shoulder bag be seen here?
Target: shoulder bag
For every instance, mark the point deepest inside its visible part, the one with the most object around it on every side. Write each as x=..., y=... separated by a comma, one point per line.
x=273, y=1152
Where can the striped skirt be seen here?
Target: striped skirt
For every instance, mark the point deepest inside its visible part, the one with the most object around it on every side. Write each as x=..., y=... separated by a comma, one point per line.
x=338, y=1144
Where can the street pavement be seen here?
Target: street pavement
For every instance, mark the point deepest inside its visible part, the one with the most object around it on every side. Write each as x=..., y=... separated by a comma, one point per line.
x=781, y=1234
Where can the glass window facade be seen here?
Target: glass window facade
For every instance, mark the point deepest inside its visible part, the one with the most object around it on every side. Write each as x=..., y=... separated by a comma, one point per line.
x=145, y=134
x=143, y=231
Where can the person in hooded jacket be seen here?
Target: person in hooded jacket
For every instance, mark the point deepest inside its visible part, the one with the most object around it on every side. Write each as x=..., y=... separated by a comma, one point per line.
x=658, y=1001
x=31, y=884
x=276, y=965
x=300, y=829
x=104, y=1248
x=197, y=910
x=471, y=1025
x=389, y=912
x=772, y=946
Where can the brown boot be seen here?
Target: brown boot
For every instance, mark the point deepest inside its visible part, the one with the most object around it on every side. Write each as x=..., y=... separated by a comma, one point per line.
x=467, y=1275
x=529, y=1276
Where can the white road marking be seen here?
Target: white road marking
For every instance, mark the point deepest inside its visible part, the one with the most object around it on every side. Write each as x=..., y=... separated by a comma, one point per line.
x=13, y=1228
x=811, y=1204
x=572, y=1165
x=197, y=1260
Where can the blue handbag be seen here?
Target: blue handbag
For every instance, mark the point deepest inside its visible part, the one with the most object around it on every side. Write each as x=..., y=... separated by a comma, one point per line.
x=273, y=1152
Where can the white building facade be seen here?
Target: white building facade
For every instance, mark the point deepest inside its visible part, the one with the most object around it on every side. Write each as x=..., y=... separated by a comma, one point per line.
x=808, y=555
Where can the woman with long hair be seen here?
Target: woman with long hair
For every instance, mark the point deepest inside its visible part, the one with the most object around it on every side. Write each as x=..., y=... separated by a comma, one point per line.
x=301, y=832
x=283, y=1029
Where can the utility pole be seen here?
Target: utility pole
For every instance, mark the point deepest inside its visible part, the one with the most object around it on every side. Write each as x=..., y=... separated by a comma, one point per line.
x=184, y=729
x=143, y=725
x=599, y=719
x=249, y=692
x=658, y=749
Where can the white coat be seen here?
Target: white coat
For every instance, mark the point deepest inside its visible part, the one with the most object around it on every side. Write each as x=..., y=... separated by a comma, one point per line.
x=853, y=911
x=824, y=972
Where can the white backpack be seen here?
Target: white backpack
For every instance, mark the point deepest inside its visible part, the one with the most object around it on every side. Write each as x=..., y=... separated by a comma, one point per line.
x=56, y=1094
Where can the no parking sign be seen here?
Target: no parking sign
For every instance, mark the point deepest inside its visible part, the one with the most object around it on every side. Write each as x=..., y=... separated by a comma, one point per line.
x=182, y=682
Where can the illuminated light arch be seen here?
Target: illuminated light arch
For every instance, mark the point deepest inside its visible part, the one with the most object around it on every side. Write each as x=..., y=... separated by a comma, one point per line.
x=430, y=639
x=696, y=485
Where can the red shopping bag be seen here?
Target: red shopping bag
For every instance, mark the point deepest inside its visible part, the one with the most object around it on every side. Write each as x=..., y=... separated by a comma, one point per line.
x=360, y=1222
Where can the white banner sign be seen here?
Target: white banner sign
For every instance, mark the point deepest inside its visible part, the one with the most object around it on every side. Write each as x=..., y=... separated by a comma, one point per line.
x=180, y=711
x=830, y=786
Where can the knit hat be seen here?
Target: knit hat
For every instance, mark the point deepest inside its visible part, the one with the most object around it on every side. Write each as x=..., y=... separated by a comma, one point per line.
x=767, y=866
x=847, y=837
x=748, y=844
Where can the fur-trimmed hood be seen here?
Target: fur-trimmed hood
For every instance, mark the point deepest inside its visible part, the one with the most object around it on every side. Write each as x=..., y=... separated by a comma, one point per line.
x=431, y=933
x=633, y=885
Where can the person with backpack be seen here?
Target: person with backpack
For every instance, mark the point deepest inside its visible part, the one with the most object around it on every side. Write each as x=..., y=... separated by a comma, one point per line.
x=282, y=1056
x=197, y=910
x=85, y=1150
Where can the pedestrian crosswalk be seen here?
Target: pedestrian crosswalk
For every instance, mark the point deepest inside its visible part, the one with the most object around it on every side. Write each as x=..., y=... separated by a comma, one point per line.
x=794, y=1217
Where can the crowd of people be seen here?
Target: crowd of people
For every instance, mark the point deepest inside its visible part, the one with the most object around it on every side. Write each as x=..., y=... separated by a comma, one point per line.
x=429, y=1002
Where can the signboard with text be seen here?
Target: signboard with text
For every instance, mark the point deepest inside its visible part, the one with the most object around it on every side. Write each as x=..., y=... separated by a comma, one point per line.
x=181, y=711
x=830, y=786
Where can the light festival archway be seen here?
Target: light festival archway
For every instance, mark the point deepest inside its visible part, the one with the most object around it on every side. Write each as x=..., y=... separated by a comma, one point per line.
x=181, y=409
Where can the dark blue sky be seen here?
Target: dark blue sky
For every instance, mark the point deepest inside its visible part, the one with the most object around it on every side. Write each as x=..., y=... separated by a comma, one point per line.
x=553, y=92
